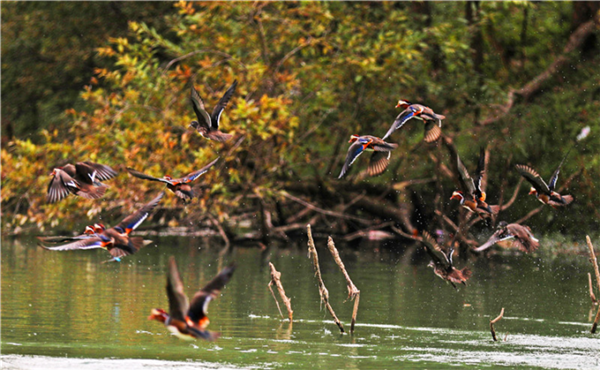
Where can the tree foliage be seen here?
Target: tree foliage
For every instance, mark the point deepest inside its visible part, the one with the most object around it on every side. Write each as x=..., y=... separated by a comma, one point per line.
x=310, y=74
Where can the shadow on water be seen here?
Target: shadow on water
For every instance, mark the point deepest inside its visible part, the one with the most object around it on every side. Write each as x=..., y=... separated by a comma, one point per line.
x=68, y=304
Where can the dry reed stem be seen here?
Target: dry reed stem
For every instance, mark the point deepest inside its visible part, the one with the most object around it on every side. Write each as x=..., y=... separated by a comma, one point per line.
x=353, y=292
x=492, y=322
x=276, y=279
x=312, y=253
x=597, y=271
x=592, y=296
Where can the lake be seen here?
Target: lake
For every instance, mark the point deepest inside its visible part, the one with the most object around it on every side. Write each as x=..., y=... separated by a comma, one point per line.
x=68, y=309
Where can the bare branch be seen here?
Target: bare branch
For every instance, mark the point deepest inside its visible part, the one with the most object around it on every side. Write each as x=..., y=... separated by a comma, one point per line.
x=492, y=322
x=276, y=280
x=323, y=292
x=353, y=292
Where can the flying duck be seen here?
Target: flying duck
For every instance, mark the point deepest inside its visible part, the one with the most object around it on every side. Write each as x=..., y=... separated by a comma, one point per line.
x=432, y=120
x=208, y=125
x=185, y=320
x=521, y=236
x=379, y=159
x=82, y=179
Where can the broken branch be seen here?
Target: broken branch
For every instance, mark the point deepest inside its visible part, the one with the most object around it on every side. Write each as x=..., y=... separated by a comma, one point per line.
x=276, y=280
x=492, y=322
x=323, y=292
x=353, y=292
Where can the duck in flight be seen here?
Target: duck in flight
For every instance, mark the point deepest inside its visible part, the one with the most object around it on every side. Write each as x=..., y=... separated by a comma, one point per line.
x=185, y=320
x=208, y=125
x=441, y=261
x=432, y=120
x=471, y=196
x=115, y=240
x=545, y=193
x=520, y=235
x=82, y=179
x=379, y=159
x=181, y=187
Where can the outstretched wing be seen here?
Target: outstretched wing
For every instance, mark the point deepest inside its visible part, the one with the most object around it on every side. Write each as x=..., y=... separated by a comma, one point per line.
x=534, y=178
x=378, y=163
x=434, y=250
x=400, y=120
x=90, y=243
x=354, y=151
x=103, y=172
x=60, y=186
x=466, y=182
x=524, y=239
x=479, y=173
x=199, y=305
x=194, y=175
x=131, y=222
x=201, y=113
x=432, y=131
x=554, y=178
x=216, y=115
x=146, y=177
x=178, y=302
x=495, y=238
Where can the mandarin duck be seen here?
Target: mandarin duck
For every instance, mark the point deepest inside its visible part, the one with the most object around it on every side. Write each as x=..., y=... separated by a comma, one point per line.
x=115, y=240
x=379, y=159
x=545, y=192
x=471, y=196
x=208, y=125
x=185, y=320
x=520, y=235
x=441, y=262
x=432, y=120
x=181, y=187
x=81, y=179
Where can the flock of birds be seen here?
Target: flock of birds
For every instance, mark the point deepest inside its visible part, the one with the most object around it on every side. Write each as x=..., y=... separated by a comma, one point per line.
x=85, y=179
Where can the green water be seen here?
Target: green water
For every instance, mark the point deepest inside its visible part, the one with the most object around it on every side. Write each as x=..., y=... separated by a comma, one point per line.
x=70, y=306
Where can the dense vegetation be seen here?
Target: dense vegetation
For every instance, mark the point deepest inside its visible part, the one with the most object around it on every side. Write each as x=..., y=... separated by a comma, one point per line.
x=310, y=75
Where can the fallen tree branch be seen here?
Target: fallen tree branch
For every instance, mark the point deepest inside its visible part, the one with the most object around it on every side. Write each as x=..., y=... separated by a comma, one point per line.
x=575, y=41
x=323, y=292
x=353, y=292
x=492, y=322
x=276, y=280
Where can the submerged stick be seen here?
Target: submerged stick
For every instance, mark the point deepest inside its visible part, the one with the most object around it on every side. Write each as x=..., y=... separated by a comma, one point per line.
x=276, y=280
x=323, y=292
x=353, y=292
x=597, y=271
x=492, y=322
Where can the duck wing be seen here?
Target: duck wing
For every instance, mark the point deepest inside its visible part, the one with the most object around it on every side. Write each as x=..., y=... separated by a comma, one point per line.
x=354, y=151
x=204, y=119
x=131, y=222
x=178, y=302
x=400, y=120
x=93, y=242
x=378, y=163
x=60, y=186
x=146, y=177
x=216, y=115
x=197, y=313
x=554, y=178
x=437, y=254
x=194, y=175
x=534, y=179
x=479, y=173
x=103, y=172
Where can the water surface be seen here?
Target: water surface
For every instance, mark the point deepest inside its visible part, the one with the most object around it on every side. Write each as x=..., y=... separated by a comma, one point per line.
x=82, y=313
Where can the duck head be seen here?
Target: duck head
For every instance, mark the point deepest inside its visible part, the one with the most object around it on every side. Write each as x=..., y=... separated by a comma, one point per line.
x=158, y=314
x=402, y=104
x=458, y=195
x=532, y=191
x=353, y=138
